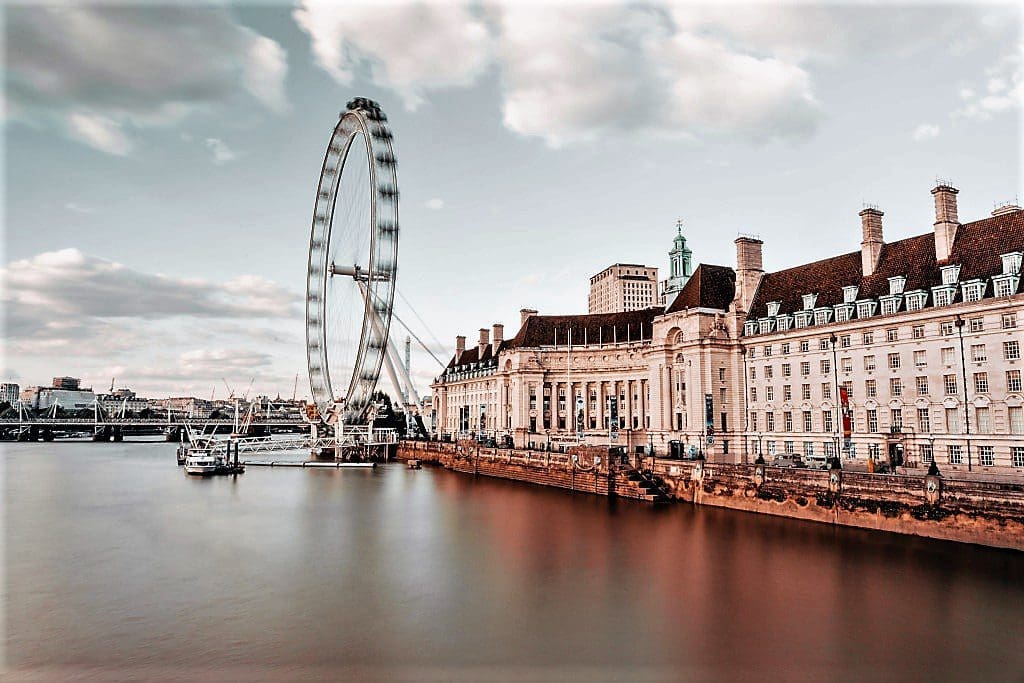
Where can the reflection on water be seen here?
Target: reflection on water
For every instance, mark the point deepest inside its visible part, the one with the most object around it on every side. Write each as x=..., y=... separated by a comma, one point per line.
x=115, y=560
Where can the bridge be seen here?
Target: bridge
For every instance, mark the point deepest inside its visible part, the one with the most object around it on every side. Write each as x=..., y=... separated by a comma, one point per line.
x=30, y=428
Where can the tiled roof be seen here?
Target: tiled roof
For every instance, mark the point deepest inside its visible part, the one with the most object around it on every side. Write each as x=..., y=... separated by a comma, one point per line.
x=976, y=249
x=708, y=287
x=472, y=355
x=542, y=330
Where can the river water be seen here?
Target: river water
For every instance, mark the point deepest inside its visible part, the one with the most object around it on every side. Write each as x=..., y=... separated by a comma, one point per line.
x=118, y=564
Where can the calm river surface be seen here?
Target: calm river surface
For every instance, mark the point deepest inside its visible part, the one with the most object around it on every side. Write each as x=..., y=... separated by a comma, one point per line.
x=117, y=564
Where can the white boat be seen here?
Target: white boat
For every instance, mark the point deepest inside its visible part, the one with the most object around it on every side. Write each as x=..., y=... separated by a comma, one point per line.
x=200, y=461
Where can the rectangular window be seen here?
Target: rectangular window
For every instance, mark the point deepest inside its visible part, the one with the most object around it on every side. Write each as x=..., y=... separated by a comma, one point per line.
x=946, y=328
x=921, y=382
x=896, y=419
x=786, y=370
x=983, y=420
x=870, y=388
x=721, y=374
x=927, y=453
x=823, y=344
x=767, y=350
x=986, y=454
x=848, y=385
x=1016, y=415
x=753, y=394
x=976, y=324
x=917, y=331
x=868, y=338
x=890, y=305
x=787, y=392
x=826, y=420
x=846, y=364
x=769, y=372
x=826, y=390
x=753, y=420
x=872, y=420
x=1013, y=381
x=844, y=341
x=805, y=368
x=787, y=421
x=788, y=445
x=769, y=393
x=874, y=451
x=1009, y=321
x=807, y=421
x=895, y=386
x=826, y=366
x=753, y=373
x=979, y=354
x=920, y=358
x=805, y=346
x=981, y=382
x=942, y=296
x=869, y=363
x=949, y=384
x=892, y=334
x=1017, y=456
x=785, y=348
x=924, y=420
x=948, y=355
x=1011, y=350
x=894, y=361
x=769, y=421
x=955, y=453
x=805, y=392
x=973, y=291
x=952, y=421
x=809, y=449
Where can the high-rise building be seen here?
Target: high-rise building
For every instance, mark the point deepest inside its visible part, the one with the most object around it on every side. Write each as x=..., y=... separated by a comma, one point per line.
x=623, y=287
x=9, y=392
x=68, y=383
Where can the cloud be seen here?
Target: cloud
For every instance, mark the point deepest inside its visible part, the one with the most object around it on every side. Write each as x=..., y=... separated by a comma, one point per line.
x=98, y=73
x=222, y=154
x=70, y=286
x=925, y=131
x=79, y=208
x=435, y=203
x=1002, y=90
x=409, y=49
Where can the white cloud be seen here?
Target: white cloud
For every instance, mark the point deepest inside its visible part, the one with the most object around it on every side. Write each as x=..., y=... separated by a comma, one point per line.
x=222, y=154
x=925, y=131
x=1001, y=91
x=97, y=72
x=79, y=208
x=409, y=49
x=435, y=203
x=99, y=132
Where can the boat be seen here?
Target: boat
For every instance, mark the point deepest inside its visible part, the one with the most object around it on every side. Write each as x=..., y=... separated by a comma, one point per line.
x=201, y=462
x=414, y=464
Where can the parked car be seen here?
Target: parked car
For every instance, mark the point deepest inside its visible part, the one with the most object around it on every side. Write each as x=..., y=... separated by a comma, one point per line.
x=817, y=462
x=788, y=461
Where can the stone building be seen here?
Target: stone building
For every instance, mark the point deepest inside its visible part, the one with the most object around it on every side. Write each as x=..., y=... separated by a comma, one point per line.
x=623, y=287
x=897, y=352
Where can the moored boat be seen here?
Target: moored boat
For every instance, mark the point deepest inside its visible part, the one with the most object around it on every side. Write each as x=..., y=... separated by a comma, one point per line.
x=201, y=462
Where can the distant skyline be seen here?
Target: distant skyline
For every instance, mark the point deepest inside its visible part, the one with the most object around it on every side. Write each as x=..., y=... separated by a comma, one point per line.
x=161, y=161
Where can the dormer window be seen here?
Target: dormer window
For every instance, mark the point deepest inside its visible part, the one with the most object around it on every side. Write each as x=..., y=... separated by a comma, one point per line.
x=973, y=290
x=1011, y=263
x=773, y=308
x=896, y=284
x=749, y=328
x=809, y=301
x=950, y=274
x=784, y=322
x=765, y=325
x=916, y=300
x=822, y=316
x=866, y=308
x=850, y=294
x=844, y=312
x=942, y=295
x=802, y=318
x=890, y=304
x=1005, y=285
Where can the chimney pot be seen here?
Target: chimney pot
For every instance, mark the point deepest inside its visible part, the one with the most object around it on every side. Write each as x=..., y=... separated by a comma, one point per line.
x=460, y=345
x=749, y=270
x=525, y=313
x=498, y=334
x=482, y=344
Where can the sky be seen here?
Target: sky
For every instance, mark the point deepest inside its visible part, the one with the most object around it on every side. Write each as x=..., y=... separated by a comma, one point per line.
x=160, y=161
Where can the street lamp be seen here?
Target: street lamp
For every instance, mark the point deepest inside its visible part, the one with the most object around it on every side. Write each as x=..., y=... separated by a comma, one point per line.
x=959, y=322
x=760, y=456
x=836, y=461
x=933, y=469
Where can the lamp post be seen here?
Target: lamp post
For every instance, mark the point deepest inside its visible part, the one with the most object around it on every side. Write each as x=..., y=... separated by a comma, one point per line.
x=959, y=322
x=759, y=460
x=933, y=469
x=836, y=460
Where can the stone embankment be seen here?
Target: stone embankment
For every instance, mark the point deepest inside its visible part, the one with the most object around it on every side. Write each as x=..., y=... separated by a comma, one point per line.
x=985, y=513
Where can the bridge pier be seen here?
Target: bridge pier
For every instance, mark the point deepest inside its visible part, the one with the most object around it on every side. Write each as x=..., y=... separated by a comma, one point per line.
x=117, y=436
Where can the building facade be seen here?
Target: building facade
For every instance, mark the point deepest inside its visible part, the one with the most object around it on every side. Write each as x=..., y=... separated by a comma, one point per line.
x=900, y=352
x=10, y=393
x=623, y=287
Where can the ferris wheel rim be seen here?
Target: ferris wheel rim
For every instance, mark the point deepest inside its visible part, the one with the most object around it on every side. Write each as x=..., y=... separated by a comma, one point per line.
x=377, y=286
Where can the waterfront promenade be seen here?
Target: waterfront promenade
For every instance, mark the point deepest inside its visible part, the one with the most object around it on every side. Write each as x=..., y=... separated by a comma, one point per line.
x=985, y=513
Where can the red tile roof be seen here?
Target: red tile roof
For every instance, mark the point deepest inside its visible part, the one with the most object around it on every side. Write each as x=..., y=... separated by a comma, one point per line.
x=976, y=249
x=708, y=287
x=542, y=330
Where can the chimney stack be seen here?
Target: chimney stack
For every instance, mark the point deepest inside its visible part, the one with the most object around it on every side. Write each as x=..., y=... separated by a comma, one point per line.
x=482, y=344
x=525, y=313
x=460, y=347
x=497, y=334
x=946, y=221
x=871, y=246
x=749, y=270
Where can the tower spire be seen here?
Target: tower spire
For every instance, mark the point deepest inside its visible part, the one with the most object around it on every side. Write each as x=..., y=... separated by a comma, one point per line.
x=679, y=264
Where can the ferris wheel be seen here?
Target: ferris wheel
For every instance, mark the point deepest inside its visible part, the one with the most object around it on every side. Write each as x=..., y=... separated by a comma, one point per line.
x=353, y=263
